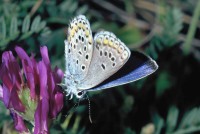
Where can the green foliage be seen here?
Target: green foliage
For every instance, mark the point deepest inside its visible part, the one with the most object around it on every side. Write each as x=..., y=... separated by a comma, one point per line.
x=15, y=28
x=190, y=121
x=158, y=121
x=129, y=131
x=129, y=34
x=177, y=124
x=4, y=115
x=164, y=82
x=172, y=24
x=166, y=35
x=172, y=119
x=63, y=12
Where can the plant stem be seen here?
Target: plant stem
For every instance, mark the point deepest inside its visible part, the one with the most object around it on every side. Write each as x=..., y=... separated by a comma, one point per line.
x=66, y=122
x=76, y=125
x=187, y=131
x=192, y=29
x=36, y=7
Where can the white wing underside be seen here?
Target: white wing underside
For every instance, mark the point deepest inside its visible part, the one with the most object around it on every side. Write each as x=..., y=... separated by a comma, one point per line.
x=109, y=55
x=78, y=48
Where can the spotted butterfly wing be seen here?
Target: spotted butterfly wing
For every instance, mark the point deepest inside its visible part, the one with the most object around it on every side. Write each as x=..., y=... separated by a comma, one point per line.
x=109, y=55
x=137, y=67
x=78, y=48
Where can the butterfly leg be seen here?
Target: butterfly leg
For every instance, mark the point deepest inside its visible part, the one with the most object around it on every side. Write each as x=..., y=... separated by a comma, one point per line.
x=71, y=96
x=68, y=92
x=61, y=84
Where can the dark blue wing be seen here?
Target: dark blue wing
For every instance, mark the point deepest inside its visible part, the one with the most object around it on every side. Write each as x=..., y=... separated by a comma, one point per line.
x=137, y=67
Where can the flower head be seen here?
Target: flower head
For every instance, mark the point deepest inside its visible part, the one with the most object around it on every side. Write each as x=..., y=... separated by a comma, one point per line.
x=30, y=93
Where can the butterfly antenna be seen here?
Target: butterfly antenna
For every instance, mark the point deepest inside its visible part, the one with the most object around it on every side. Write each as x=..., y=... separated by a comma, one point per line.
x=89, y=108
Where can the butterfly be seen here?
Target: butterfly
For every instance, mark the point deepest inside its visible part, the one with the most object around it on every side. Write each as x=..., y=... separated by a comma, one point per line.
x=101, y=62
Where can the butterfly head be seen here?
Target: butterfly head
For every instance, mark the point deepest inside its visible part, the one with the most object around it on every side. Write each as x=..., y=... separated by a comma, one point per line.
x=71, y=87
x=74, y=92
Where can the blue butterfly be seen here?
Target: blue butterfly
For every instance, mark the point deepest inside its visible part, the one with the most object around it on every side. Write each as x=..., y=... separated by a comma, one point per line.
x=101, y=62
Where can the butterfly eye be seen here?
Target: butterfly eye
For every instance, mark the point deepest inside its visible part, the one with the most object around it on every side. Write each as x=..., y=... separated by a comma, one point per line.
x=80, y=94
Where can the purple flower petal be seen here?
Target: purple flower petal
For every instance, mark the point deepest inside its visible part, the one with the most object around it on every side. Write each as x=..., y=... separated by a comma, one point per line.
x=41, y=117
x=43, y=80
x=5, y=77
x=29, y=70
x=6, y=96
x=25, y=59
x=1, y=93
x=19, y=123
x=7, y=57
x=57, y=97
x=45, y=56
x=10, y=71
x=57, y=105
x=52, y=93
x=23, y=55
x=15, y=74
x=11, y=99
x=16, y=102
x=36, y=72
x=58, y=75
x=41, y=114
x=30, y=78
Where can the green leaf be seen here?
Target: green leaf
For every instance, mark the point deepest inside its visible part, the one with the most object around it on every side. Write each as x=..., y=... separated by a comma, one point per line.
x=45, y=32
x=163, y=82
x=152, y=51
x=171, y=23
x=4, y=114
x=172, y=118
x=42, y=25
x=73, y=6
x=129, y=6
x=3, y=44
x=2, y=28
x=13, y=28
x=157, y=42
x=76, y=124
x=35, y=24
x=128, y=130
x=129, y=34
x=27, y=4
x=26, y=35
x=190, y=122
x=26, y=24
x=56, y=37
x=159, y=123
x=82, y=10
x=127, y=104
x=6, y=9
x=190, y=118
x=65, y=5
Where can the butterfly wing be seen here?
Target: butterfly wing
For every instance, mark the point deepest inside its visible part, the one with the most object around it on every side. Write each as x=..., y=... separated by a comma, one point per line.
x=78, y=48
x=137, y=67
x=109, y=55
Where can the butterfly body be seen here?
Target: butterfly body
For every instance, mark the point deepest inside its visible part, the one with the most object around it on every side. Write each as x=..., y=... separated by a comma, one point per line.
x=90, y=61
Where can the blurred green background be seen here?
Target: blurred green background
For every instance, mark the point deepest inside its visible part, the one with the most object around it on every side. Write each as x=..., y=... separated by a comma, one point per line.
x=167, y=30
